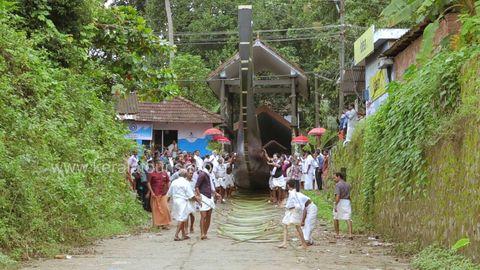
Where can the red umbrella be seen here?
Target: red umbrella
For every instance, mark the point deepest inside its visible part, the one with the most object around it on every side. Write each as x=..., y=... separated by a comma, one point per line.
x=213, y=131
x=222, y=139
x=300, y=140
x=317, y=131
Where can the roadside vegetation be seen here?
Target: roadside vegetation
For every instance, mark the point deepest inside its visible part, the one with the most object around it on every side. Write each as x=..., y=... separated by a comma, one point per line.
x=61, y=149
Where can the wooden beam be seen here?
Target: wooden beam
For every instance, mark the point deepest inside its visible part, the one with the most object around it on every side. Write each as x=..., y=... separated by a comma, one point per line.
x=285, y=82
x=265, y=90
x=281, y=82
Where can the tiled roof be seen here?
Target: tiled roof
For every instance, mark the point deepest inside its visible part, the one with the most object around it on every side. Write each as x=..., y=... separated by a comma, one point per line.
x=176, y=110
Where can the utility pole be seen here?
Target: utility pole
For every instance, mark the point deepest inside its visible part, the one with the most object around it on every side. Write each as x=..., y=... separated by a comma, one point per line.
x=341, y=10
x=317, y=109
x=168, y=9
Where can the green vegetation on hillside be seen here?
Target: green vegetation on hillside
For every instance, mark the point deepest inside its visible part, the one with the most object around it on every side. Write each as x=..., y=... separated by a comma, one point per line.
x=413, y=164
x=62, y=150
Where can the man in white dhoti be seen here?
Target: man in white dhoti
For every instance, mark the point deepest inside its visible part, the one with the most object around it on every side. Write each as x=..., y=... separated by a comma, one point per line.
x=205, y=189
x=342, y=209
x=293, y=215
x=311, y=166
x=352, y=119
x=183, y=196
x=192, y=180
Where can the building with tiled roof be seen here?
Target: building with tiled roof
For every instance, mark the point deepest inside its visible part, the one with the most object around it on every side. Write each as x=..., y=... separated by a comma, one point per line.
x=159, y=124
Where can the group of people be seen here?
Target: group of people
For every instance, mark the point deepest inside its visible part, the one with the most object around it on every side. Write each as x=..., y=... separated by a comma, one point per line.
x=307, y=172
x=301, y=212
x=192, y=183
x=196, y=184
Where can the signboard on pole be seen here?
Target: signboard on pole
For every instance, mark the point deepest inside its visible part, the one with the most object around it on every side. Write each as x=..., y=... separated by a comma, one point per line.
x=140, y=131
x=363, y=46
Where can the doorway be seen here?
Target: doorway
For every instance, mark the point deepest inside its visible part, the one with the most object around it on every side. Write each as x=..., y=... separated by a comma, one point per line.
x=163, y=138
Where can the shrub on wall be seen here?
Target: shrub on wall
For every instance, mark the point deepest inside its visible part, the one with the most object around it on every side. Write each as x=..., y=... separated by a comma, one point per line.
x=413, y=162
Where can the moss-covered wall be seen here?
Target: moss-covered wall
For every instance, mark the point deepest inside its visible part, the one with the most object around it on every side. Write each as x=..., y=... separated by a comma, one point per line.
x=449, y=208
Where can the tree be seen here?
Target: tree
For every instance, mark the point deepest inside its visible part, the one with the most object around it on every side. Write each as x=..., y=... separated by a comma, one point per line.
x=208, y=29
x=190, y=69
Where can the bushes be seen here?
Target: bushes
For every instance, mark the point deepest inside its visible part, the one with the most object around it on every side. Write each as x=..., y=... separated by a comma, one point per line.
x=61, y=152
x=436, y=258
x=413, y=165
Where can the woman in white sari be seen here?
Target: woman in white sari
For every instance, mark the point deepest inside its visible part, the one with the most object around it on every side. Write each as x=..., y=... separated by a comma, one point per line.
x=183, y=196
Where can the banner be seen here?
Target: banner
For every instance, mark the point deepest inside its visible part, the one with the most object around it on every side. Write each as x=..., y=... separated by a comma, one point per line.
x=363, y=46
x=140, y=131
x=378, y=85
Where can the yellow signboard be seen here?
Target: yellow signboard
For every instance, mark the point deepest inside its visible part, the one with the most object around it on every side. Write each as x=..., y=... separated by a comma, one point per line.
x=363, y=46
x=378, y=85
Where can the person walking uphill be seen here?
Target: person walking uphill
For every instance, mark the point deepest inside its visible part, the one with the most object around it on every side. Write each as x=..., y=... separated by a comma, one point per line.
x=343, y=208
x=158, y=185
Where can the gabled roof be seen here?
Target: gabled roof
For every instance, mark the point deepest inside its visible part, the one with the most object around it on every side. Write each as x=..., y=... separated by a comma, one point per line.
x=264, y=58
x=176, y=110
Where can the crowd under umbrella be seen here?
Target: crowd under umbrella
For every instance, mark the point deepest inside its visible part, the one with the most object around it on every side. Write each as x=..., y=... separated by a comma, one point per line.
x=317, y=132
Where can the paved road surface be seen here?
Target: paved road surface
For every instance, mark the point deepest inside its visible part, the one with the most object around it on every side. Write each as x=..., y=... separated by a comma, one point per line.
x=158, y=251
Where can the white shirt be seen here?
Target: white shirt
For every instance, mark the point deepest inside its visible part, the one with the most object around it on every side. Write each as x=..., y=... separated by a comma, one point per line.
x=214, y=161
x=310, y=165
x=181, y=189
x=352, y=118
x=302, y=198
x=198, y=162
x=220, y=170
x=292, y=199
x=133, y=163
x=304, y=165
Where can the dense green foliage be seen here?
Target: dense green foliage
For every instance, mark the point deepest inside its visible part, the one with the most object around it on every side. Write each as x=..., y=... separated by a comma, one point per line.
x=114, y=45
x=61, y=149
x=410, y=120
x=304, y=31
x=56, y=137
x=435, y=258
x=391, y=144
x=188, y=69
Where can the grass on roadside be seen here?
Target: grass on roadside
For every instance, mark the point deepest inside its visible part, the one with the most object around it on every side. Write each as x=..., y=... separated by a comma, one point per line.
x=436, y=258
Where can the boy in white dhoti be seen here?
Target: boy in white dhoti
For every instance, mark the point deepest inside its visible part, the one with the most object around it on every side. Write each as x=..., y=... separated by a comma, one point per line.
x=220, y=171
x=205, y=189
x=183, y=196
x=309, y=216
x=229, y=181
x=293, y=215
x=342, y=209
